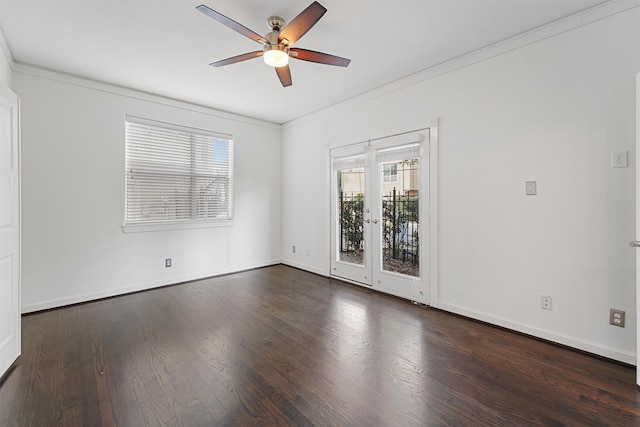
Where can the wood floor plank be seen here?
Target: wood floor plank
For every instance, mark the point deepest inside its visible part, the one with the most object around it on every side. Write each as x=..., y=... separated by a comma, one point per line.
x=281, y=347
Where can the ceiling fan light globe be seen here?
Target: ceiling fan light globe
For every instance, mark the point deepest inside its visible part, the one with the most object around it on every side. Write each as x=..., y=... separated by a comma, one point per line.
x=276, y=57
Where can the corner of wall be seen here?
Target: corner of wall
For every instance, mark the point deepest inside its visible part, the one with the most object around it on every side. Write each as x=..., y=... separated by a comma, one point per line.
x=6, y=61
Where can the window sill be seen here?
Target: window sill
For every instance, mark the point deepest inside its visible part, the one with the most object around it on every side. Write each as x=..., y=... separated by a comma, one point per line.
x=140, y=228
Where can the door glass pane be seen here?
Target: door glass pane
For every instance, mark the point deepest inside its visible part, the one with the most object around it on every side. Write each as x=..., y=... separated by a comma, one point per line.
x=351, y=214
x=400, y=216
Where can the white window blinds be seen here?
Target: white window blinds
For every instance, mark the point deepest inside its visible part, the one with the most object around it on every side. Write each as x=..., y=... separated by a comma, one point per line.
x=176, y=174
x=344, y=163
x=398, y=154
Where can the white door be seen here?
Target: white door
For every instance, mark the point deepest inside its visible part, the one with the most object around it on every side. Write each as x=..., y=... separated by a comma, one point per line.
x=9, y=230
x=379, y=235
x=637, y=242
x=400, y=209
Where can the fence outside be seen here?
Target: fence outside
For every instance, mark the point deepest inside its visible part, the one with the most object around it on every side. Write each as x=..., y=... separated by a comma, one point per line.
x=400, y=231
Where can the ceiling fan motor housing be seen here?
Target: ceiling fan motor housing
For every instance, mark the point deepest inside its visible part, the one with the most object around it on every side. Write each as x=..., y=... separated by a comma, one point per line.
x=272, y=37
x=279, y=47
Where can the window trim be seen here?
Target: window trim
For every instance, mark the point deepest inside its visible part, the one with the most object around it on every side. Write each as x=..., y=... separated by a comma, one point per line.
x=187, y=223
x=166, y=226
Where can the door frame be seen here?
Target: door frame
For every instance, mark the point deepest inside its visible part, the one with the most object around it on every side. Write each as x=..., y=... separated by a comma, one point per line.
x=431, y=217
x=12, y=344
x=637, y=228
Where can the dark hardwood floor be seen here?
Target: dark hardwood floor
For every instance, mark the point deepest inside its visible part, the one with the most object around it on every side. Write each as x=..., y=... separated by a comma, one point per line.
x=279, y=346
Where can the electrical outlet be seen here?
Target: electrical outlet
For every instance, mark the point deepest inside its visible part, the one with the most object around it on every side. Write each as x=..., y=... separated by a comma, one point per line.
x=293, y=249
x=616, y=317
x=167, y=262
x=619, y=159
x=545, y=302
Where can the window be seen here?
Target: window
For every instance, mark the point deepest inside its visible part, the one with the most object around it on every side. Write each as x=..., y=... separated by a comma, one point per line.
x=390, y=172
x=176, y=174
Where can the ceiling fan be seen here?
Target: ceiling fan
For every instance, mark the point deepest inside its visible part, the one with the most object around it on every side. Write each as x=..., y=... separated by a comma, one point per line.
x=277, y=45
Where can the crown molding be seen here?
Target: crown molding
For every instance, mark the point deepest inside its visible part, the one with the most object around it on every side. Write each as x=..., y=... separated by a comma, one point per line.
x=75, y=80
x=546, y=31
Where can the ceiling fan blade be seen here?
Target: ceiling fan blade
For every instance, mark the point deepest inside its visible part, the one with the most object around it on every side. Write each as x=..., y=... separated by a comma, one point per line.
x=319, y=57
x=232, y=24
x=284, y=74
x=299, y=26
x=239, y=58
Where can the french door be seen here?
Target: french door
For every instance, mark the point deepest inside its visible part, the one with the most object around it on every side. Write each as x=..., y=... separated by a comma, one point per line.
x=379, y=214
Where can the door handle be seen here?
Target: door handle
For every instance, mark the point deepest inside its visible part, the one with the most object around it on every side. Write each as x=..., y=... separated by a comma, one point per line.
x=375, y=221
x=367, y=220
x=635, y=244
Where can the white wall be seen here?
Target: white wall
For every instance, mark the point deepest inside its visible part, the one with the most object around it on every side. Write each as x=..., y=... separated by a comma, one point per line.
x=552, y=111
x=73, y=194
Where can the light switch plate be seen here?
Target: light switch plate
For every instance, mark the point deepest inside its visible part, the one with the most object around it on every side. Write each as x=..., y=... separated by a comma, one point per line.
x=531, y=188
x=619, y=159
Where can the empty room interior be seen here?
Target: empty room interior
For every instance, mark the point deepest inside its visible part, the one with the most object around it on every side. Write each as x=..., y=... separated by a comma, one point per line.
x=425, y=216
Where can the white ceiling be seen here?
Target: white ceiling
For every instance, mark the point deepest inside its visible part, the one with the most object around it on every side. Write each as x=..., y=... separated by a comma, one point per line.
x=164, y=46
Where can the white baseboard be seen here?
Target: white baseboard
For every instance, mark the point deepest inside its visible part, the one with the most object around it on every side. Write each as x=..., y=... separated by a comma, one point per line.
x=611, y=353
x=76, y=299
x=305, y=267
x=608, y=352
